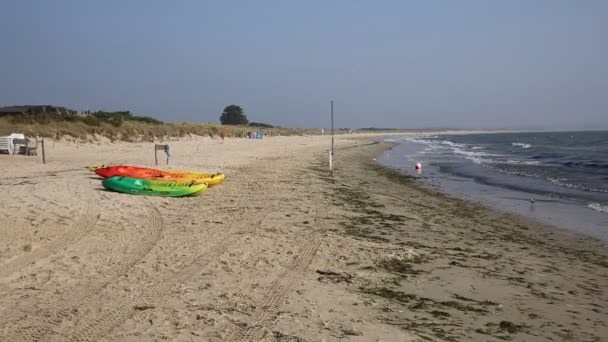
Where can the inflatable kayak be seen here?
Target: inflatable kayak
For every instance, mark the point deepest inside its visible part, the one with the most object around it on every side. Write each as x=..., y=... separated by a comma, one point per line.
x=154, y=174
x=153, y=187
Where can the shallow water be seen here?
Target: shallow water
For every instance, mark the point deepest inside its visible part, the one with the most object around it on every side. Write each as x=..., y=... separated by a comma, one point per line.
x=557, y=178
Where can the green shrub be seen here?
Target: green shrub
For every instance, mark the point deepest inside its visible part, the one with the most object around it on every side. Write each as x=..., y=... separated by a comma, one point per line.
x=146, y=119
x=260, y=124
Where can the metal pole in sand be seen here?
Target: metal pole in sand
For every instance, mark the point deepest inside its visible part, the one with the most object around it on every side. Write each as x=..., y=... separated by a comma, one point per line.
x=43, y=155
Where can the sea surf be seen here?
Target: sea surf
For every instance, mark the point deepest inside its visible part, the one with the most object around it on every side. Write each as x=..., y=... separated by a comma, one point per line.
x=559, y=178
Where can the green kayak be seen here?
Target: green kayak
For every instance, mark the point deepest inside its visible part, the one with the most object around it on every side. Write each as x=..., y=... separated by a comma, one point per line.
x=138, y=186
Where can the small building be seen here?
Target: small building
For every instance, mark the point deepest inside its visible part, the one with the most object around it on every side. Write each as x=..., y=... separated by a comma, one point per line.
x=34, y=110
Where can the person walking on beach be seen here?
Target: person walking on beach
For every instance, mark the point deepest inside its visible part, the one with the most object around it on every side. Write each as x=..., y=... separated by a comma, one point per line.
x=222, y=135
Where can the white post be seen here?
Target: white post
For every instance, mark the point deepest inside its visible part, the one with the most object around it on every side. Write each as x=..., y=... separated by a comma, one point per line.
x=332, y=128
x=331, y=163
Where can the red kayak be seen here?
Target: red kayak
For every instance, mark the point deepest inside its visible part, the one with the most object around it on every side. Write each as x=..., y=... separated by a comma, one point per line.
x=154, y=174
x=127, y=171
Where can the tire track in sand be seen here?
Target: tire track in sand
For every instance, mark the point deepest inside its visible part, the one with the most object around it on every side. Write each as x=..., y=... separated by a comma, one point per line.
x=95, y=328
x=20, y=229
x=43, y=174
x=46, y=321
x=255, y=328
x=81, y=227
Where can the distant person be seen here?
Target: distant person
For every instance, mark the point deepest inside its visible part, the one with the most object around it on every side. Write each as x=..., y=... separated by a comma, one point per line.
x=249, y=134
x=222, y=135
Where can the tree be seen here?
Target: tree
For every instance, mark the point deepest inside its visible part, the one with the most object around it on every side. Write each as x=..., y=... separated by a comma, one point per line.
x=233, y=115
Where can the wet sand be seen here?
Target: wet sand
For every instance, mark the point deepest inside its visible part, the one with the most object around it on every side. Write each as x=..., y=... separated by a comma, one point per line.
x=280, y=251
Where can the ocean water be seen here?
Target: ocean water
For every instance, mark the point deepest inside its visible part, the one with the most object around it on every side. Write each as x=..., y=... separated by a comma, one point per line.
x=560, y=178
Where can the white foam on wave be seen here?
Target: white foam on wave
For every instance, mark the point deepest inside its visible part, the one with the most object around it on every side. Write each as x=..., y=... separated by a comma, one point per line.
x=598, y=207
x=522, y=145
x=564, y=183
x=477, y=157
x=561, y=182
x=471, y=153
x=452, y=144
x=420, y=140
x=519, y=162
x=431, y=148
x=431, y=144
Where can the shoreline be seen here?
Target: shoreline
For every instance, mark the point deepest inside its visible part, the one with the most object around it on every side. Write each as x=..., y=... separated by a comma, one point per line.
x=419, y=183
x=528, y=249
x=564, y=207
x=281, y=251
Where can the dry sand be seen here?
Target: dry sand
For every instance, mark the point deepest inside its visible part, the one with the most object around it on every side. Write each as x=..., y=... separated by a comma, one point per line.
x=279, y=252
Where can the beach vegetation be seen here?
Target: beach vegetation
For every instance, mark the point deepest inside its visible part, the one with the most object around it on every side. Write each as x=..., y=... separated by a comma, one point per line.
x=389, y=294
x=233, y=115
x=260, y=124
x=91, y=128
x=420, y=303
x=400, y=266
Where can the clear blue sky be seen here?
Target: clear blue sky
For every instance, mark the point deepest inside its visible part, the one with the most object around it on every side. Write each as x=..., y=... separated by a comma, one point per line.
x=409, y=64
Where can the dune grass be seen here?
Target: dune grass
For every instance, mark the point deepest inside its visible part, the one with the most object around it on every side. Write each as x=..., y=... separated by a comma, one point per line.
x=134, y=131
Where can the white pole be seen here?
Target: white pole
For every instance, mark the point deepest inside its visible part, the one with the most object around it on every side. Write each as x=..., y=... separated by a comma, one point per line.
x=331, y=163
x=331, y=152
x=332, y=127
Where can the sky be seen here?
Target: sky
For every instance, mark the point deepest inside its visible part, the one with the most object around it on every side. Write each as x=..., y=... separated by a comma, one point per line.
x=502, y=64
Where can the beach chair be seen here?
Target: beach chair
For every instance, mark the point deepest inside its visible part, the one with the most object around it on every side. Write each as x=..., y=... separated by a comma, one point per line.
x=22, y=146
x=6, y=145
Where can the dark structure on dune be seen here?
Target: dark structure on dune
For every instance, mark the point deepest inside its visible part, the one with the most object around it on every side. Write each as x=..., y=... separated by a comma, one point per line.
x=35, y=110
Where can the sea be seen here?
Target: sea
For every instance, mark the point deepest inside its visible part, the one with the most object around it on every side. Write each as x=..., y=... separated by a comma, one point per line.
x=558, y=178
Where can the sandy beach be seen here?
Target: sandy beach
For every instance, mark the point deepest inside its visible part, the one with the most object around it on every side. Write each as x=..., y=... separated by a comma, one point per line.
x=281, y=251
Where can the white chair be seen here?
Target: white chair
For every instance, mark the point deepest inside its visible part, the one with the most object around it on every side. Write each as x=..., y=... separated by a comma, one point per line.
x=14, y=136
x=23, y=146
x=6, y=144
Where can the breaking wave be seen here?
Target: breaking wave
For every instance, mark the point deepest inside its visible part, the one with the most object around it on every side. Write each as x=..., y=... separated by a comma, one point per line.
x=598, y=207
x=522, y=145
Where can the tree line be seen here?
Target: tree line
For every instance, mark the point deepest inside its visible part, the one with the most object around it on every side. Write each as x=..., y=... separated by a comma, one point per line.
x=234, y=115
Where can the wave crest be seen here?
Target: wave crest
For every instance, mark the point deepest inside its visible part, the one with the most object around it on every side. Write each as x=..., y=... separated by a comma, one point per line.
x=522, y=145
x=598, y=207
